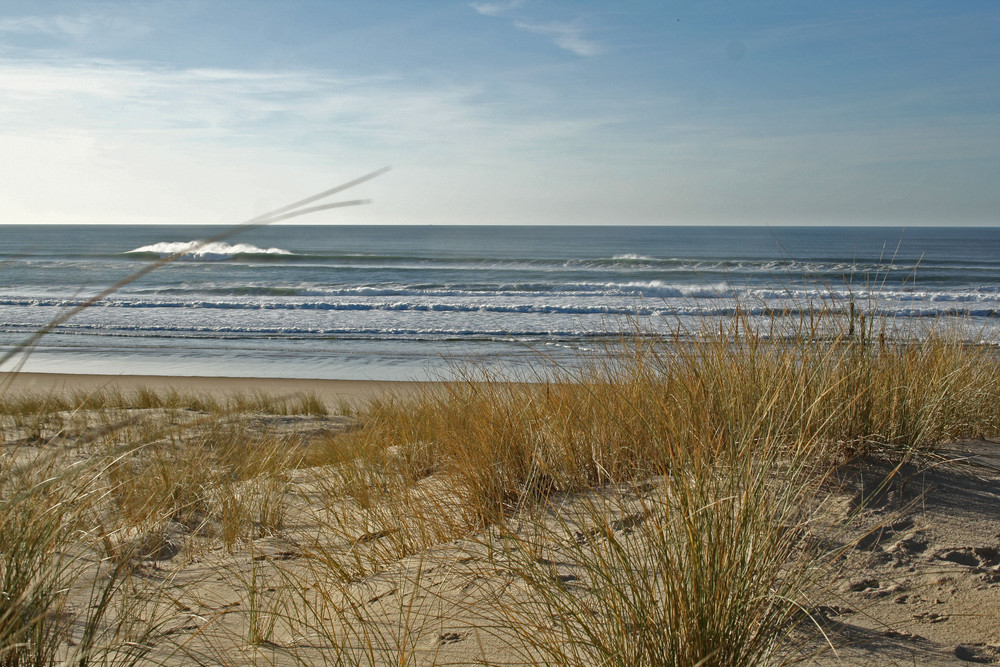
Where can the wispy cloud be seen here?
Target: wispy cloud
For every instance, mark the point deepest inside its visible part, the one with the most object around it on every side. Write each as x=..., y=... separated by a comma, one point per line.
x=298, y=109
x=566, y=35
x=28, y=25
x=496, y=8
x=119, y=140
x=69, y=26
x=569, y=36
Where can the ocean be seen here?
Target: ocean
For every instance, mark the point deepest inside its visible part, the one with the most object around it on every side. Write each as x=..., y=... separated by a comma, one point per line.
x=406, y=302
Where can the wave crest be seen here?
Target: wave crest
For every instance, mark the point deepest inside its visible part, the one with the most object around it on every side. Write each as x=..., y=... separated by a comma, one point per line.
x=201, y=251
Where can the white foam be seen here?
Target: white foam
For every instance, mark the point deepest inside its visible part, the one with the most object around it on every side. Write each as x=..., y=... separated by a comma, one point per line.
x=632, y=257
x=201, y=251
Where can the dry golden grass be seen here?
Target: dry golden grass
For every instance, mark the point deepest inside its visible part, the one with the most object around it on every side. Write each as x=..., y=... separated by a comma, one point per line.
x=648, y=408
x=651, y=506
x=92, y=486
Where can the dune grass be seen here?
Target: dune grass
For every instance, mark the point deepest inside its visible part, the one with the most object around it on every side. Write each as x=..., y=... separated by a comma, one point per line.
x=648, y=408
x=740, y=431
x=26, y=405
x=94, y=486
x=656, y=504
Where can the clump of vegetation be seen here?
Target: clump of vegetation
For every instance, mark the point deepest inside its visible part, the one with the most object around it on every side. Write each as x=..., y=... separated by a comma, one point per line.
x=653, y=505
x=96, y=487
x=27, y=404
x=648, y=408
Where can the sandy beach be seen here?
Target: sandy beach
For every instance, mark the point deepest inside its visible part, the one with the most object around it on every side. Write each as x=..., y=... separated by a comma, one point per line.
x=332, y=392
x=912, y=574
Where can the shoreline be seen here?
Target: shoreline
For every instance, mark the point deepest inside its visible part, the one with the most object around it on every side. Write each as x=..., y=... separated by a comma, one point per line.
x=331, y=392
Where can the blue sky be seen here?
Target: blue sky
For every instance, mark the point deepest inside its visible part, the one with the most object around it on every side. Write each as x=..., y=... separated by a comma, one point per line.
x=502, y=111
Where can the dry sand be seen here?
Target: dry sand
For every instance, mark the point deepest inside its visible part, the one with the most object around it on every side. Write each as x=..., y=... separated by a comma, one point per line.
x=917, y=581
x=330, y=391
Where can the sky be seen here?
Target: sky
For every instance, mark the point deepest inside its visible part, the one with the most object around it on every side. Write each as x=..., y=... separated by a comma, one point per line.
x=615, y=112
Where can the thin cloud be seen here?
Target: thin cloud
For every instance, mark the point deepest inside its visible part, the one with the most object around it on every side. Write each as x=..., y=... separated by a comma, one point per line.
x=496, y=8
x=67, y=26
x=567, y=36
x=304, y=109
x=133, y=135
x=27, y=25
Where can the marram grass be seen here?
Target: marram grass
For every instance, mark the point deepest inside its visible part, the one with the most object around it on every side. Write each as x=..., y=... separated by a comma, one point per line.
x=651, y=506
x=647, y=408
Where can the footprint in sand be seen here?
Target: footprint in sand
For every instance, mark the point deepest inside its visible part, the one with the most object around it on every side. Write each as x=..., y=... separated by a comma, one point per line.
x=984, y=560
x=446, y=638
x=984, y=654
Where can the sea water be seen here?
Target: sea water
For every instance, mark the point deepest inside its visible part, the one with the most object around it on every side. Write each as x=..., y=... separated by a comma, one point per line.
x=406, y=302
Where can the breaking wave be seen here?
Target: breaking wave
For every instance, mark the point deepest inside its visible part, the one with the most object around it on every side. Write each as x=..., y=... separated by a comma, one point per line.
x=206, y=252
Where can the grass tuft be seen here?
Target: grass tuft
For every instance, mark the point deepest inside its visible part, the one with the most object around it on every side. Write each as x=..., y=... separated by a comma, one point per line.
x=657, y=504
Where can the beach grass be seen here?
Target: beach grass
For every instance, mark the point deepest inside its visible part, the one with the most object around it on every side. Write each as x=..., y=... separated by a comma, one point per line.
x=660, y=503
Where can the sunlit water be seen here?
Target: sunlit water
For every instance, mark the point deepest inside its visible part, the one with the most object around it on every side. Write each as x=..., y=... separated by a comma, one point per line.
x=405, y=302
